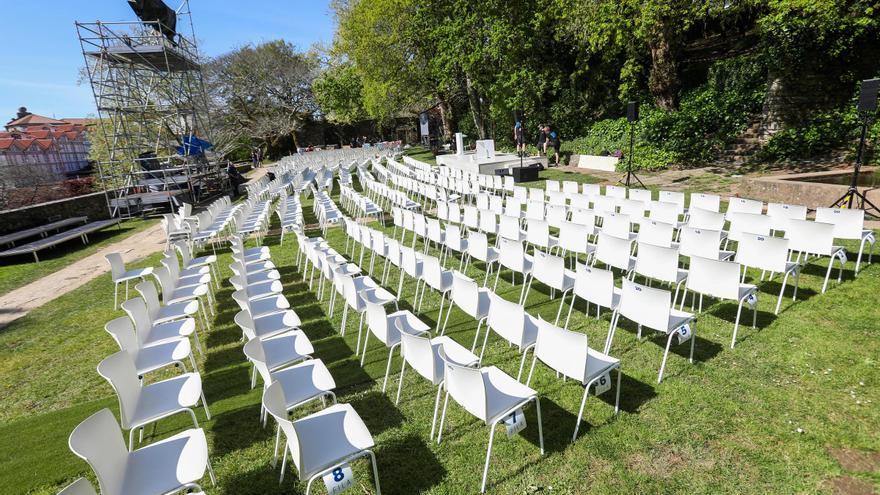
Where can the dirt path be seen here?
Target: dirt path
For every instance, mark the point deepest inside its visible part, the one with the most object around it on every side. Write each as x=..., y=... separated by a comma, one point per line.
x=20, y=301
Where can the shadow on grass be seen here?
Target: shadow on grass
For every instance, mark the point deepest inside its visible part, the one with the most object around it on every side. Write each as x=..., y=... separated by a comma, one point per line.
x=377, y=411
x=407, y=465
x=239, y=429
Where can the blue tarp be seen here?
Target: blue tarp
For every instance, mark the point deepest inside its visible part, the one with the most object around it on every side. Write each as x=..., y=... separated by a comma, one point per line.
x=193, y=146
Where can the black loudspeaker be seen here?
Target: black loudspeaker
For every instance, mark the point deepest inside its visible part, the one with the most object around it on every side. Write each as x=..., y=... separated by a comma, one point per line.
x=632, y=111
x=868, y=95
x=518, y=116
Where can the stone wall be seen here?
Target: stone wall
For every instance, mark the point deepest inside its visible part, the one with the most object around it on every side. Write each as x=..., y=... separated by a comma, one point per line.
x=92, y=205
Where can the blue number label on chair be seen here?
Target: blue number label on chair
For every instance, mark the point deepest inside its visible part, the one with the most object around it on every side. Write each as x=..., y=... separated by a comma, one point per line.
x=515, y=423
x=684, y=333
x=339, y=480
x=603, y=384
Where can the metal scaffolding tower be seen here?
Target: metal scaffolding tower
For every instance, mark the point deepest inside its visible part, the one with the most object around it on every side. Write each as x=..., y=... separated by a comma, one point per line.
x=150, y=95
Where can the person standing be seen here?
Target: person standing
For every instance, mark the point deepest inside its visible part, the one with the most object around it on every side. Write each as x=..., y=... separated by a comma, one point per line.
x=542, y=140
x=519, y=138
x=254, y=161
x=552, y=141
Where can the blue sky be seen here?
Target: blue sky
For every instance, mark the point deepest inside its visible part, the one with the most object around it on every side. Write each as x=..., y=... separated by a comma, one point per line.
x=42, y=56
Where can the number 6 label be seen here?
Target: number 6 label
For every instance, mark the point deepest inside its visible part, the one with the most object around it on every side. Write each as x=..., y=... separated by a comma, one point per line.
x=603, y=384
x=339, y=480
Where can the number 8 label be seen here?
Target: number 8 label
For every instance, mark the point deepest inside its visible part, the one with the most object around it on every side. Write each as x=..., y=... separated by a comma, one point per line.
x=339, y=480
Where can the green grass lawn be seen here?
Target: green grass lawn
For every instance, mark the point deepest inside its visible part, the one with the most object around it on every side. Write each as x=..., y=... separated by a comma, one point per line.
x=729, y=423
x=18, y=271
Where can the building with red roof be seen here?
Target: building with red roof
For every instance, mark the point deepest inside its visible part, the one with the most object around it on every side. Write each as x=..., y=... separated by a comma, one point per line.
x=37, y=145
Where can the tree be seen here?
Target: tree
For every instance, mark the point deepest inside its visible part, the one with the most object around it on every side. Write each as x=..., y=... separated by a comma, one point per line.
x=260, y=94
x=338, y=93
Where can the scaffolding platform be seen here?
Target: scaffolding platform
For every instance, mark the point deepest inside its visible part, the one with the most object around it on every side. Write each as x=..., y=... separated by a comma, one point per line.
x=159, y=56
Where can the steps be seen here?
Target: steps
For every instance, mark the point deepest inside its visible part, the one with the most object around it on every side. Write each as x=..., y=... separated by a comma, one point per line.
x=743, y=148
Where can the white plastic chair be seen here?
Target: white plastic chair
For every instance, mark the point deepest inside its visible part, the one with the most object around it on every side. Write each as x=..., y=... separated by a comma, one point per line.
x=488, y=394
x=142, y=405
x=653, y=309
x=470, y=298
x=702, y=242
x=550, y=270
x=511, y=322
x=119, y=274
x=149, y=332
x=768, y=253
x=538, y=235
x=323, y=441
x=709, y=202
x=614, y=252
x=656, y=232
x=167, y=466
x=816, y=238
x=721, y=279
x=743, y=205
x=454, y=242
x=570, y=354
x=385, y=327
x=411, y=263
x=151, y=357
x=849, y=224
x=478, y=248
x=190, y=263
x=661, y=264
x=509, y=228
x=595, y=286
x=422, y=353
x=170, y=312
x=781, y=213
x=700, y=218
x=574, y=240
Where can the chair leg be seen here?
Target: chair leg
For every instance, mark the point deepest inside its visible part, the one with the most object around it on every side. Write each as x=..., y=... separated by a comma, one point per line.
x=828, y=274
x=736, y=324
x=375, y=472
x=364, y=355
x=477, y=336
x=617, y=397
x=488, y=456
x=665, y=356
x=400, y=382
x=443, y=417
x=115, y=295
x=540, y=424
x=781, y=293
x=577, y=423
x=436, y=408
x=388, y=366
x=205, y=405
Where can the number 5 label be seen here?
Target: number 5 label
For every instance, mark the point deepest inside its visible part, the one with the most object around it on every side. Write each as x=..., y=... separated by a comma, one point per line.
x=515, y=423
x=339, y=480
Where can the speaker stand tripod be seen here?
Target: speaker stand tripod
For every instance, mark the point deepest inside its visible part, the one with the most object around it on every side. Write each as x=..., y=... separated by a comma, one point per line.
x=852, y=195
x=630, y=176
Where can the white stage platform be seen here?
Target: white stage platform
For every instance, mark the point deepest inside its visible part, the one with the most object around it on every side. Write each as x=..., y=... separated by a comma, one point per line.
x=468, y=163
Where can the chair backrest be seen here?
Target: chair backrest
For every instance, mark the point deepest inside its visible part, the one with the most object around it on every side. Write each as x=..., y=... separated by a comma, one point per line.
x=119, y=370
x=569, y=187
x=409, y=262
x=508, y=227
x=520, y=193
x=552, y=185
x=810, y=237
x=562, y=350
x=676, y=197
x=645, y=305
x=254, y=351
x=632, y=207
x=418, y=351
x=549, y=269
x=714, y=278
x=700, y=218
x=442, y=211
x=508, y=319
x=663, y=211
x=117, y=266
x=453, y=235
x=615, y=192
x=591, y=189
x=435, y=231
x=700, y=242
x=377, y=319
x=488, y=221
x=184, y=251
x=168, y=285
x=709, y=202
x=511, y=254
x=136, y=309
x=781, y=213
x=478, y=245
x=513, y=206
x=465, y=293
x=557, y=198
x=613, y=251
x=432, y=271
x=419, y=226
x=98, y=440
x=471, y=217
x=616, y=224
x=536, y=194
x=496, y=204
x=483, y=201
x=583, y=216
x=849, y=223
x=743, y=205
x=122, y=331
x=659, y=263
x=656, y=233
x=147, y=290
x=466, y=385
x=748, y=223
x=538, y=233
x=604, y=204
x=574, y=236
x=763, y=251
x=535, y=210
x=578, y=200
x=594, y=285
x=79, y=487
x=276, y=404
x=454, y=213
x=556, y=214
